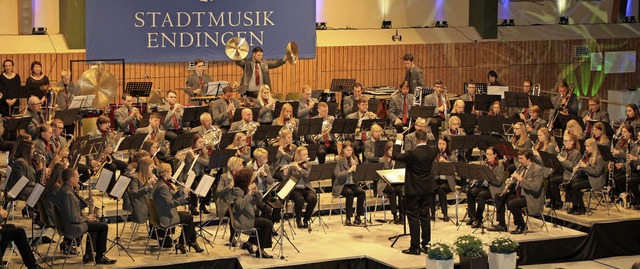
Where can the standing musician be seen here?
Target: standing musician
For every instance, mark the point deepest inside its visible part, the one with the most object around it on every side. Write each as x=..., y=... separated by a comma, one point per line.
x=246, y=196
x=419, y=187
x=442, y=186
x=38, y=83
x=326, y=139
x=167, y=202
x=400, y=105
x=224, y=190
x=267, y=105
x=302, y=192
x=68, y=203
x=483, y=191
x=37, y=116
x=492, y=79
x=197, y=80
x=173, y=120
x=525, y=190
x=414, y=74
x=243, y=150
x=256, y=71
x=350, y=103
x=589, y=173
x=286, y=150
x=593, y=114
x=395, y=191
x=370, y=144
x=10, y=84
x=535, y=122
x=345, y=186
x=20, y=161
x=141, y=187
x=128, y=118
x=286, y=119
x=440, y=100
x=567, y=101
x=496, y=109
x=410, y=139
x=623, y=147
x=198, y=158
x=633, y=117
x=264, y=180
x=223, y=109
x=69, y=90
x=599, y=133
x=246, y=125
x=12, y=234
x=306, y=103
x=573, y=127
x=569, y=157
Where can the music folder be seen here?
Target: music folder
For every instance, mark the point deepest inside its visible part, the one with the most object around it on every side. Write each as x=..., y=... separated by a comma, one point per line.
x=421, y=112
x=321, y=171
x=131, y=142
x=82, y=101
x=392, y=176
x=366, y=171
x=286, y=187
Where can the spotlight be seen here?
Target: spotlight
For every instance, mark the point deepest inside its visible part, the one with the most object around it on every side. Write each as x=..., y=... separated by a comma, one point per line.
x=505, y=22
x=511, y=23
x=397, y=37
x=321, y=26
x=564, y=20
x=39, y=31
x=630, y=19
x=442, y=24
x=386, y=24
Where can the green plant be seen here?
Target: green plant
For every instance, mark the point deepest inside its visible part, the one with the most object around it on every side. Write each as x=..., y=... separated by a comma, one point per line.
x=470, y=246
x=503, y=245
x=440, y=251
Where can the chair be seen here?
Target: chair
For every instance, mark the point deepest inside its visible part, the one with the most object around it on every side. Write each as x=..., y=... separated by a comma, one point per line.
x=235, y=241
x=380, y=194
x=224, y=230
x=154, y=219
x=525, y=210
x=46, y=220
x=62, y=232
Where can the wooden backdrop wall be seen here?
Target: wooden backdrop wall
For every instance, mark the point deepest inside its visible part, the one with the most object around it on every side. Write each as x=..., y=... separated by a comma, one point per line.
x=543, y=62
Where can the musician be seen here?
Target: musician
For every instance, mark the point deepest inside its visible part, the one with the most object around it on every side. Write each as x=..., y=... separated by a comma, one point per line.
x=302, y=192
x=573, y=127
x=400, y=105
x=395, y=191
x=458, y=107
x=20, y=160
x=10, y=233
x=243, y=150
x=419, y=188
x=286, y=150
x=10, y=84
x=567, y=101
x=496, y=109
x=598, y=132
x=443, y=183
x=173, y=120
x=545, y=143
x=480, y=192
x=38, y=83
x=593, y=114
x=363, y=111
x=623, y=147
x=634, y=178
x=633, y=117
x=414, y=74
x=206, y=126
x=453, y=128
x=69, y=90
x=197, y=80
x=245, y=198
x=349, y=103
x=43, y=144
x=470, y=96
x=104, y=130
x=167, y=203
x=128, y=118
x=328, y=140
x=286, y=119
x=345, y=186
x=526, y=191
x=264, y=181
x=520, y=138
x=410, y=139
x=267, y=105
x=535, y=122
x=68, y=204
x=256, y=71
x=197, y=158
x=492, y=78
x=37, y=116
x=569, y=157
x=245, y=125
x=370, y=144
x=306, y=103
x=224, y=190
x=589, y=173
x=223, y=109
x=141, y=187
x=440, y=100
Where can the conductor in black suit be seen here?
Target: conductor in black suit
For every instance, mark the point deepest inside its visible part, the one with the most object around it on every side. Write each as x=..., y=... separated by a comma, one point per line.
x=419, y=187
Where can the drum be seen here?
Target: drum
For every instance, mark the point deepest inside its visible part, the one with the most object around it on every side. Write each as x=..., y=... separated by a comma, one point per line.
x=328, y=97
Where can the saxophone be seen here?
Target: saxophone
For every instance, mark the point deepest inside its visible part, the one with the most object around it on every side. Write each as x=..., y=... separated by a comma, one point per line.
x=104, y=157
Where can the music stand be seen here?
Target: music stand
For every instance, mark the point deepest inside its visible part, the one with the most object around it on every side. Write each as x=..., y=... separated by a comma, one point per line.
x=319, y=172
x=192, y=115
x=310, y=127
x=237, y=116
x=468, y=120
x=116, y=192
x=483, y=101
x=204, y=186
x=145, y=119
x=184, y=140
x=458, y=144
x=273, y=152
x=344, y=126
x=516, y=99
x=68, y=116
x=372, y=105
x=226, y=140
x=396, y=176
x=15, y=124
x=294, y=105
x=506, y=149
x=219, y=158
x=366, y=172
x=283, y=192
x=449, y=170
x=544, y=102
x=132, y=142
x=479, y=173
x=31, y=203
x=138, y=89
x=421, y=112
x=266, y=132
x=366, y=125
x=312, y=150
x=342, y=84
x=606, y=200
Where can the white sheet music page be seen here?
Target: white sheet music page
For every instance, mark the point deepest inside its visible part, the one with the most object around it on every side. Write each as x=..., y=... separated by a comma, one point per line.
x=191, y=177
x=286, y=189
x=104, y=179
x=178, y=171
x=15, y=191
x=35, y=195
x=205, y=184
x=120, y=186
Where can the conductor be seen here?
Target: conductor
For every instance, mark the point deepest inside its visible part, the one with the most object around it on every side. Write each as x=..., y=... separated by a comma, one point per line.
x=419, y=187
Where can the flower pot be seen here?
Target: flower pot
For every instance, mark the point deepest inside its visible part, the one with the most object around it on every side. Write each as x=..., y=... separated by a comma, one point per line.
x=473, y=263
x=502, y=261
x=439, y=264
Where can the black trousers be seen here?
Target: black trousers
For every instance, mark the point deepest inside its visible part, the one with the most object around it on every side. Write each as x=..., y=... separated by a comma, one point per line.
x=501, y=205
x=478, y=195
x=418, y=217
x=324, y=150
x=10, y=234
x=299, y=197
x=98, y=232
x=573, y=193
x=442, y=190
x=396, y=199
x=188, y=228
x=634, y=182
x=264, y=227
x=553, y=189
x=349, y=192
x=515, y=206
x=268, y=212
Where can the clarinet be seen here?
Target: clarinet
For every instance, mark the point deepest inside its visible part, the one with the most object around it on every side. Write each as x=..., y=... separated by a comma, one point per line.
x=511, y=182
x=575, y=171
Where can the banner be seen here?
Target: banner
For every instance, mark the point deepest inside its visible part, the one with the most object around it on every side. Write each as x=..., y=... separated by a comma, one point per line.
x=183, y=30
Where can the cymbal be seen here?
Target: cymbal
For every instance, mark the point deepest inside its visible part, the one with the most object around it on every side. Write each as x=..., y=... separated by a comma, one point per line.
x=101, y=83
x=292, y=52
x=237, y=48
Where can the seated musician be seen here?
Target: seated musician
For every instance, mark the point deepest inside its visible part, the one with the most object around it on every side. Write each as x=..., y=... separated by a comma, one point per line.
x=197, y=158
x=470, y=96
x=286, y=150
x=599, y=133
x=243, y=150
x=492, y=78
x=157, y=135
x=37, y=116
x=51, y=187
x=547, y=143
x=167, y=202
x=496, y=109
x=173, y=120
x=520, y=138
x=363, y=113
x=267, y=105
x=370, y=144
x=264, y=180
x=573, y=127
x=569, y=156
x=286, y=119
x=623, y=147
x=245, y=197
x=306, y=103
x=523, y=189
x=20, y=160
x=328, y=140
x=96, y=161
x=246, y=125
x=438, y=99
x=302, y=192
x=151, y=148
x=395, y=192
x=141, y=187
x=207, y=129
x=12, y=234
x=633, y=116
x=350, y=103
x=128, y=118
x=480, y=192
x=593, y=114
x=224, y=108
x=453, y=128
x=410, y=139
x=535, y=122
x=443, y=182
x=400, y=105
x=43, y=145
x=458, y=107
x=634, y=178
x=197, y=79
x=69, y=206
x=224, y=190
x=345, y=186
x=589, y=173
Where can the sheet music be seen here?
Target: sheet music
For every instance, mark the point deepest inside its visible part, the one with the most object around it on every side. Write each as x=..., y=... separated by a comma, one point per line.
x=120, y=186
x=205, y=184
x=88, y=102
x=119, y=142
x=275, y=186
x=212, y=87
x=104, y=179
x=286, y=189
x=35, y=195
x=77, y=101
x=178, y=171
x=15, y=191
x=191, y=176
x=395, y=176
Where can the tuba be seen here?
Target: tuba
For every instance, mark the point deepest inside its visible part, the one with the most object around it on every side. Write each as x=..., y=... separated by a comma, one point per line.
x=50, y=108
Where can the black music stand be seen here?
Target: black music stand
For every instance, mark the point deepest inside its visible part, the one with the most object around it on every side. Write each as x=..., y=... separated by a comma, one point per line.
x=138, y=89
x=447, y=169
x=344, y=126
x=283, y=192
x=15, y=124
x=132, y=142
x=294, y=105
x=493, y=124
x=310, y=127
x=458, y=144
x=319, y=172
x=312, y=150
x=365, y=172
x=562, y=120
x=31, y=203
x=468, y=120
x=192, y=115
x=544, y=102
x=366, y=125
x=372, y=105
x=219, y=158
x=237, y=116
x=516, y=99
x=484, y=101
x=421, y=112
x=606, y=200
x=68, y=116
x=265, y=132
x=506, y=149
x=379, y=148
x=184, y=140
x=342, y=84
x=145, y=119
x=273, y=152
x=478, y=173
x=226, y=140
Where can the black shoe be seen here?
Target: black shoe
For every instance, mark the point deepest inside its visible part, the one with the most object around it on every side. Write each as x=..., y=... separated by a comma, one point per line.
x=357, y=221
x=470, y=222
x=396, y=220
x=412, y=251
x=195, y=247
x=180, y=247
x=446, y=219
x=35, y=267
x=299, y=224
x=347, y=222
x=104, y=260
x=194, y=211
x=167, y=243
x=497, y=228
x=579, y=211
x=263, y=253
x=556, y=206
x=475, y=224
x=570, y=210
x=519, y=230
x=248, y=247
x=274, y=232
x=68, y=250
x=305, y=224
x=87, y=259
x=204, y=210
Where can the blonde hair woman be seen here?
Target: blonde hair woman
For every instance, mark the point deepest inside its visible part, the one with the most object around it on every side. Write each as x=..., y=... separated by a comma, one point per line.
x=267, y=104
x=589, y=173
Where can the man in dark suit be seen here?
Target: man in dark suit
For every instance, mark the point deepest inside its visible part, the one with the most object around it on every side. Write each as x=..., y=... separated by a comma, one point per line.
x=197, y=80
x=567, y=101
x=256, y=71
x=414, y=74
x=419, y=187
x=350, y=103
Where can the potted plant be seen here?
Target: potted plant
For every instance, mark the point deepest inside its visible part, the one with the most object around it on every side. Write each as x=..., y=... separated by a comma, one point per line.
x=472, y=256
x=440, y=256
x=503, y=253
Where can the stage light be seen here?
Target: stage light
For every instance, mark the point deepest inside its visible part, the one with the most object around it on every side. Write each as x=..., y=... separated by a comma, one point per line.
x=396, y=37
x=386, y=24
x=630, y=19
x=442, y=24
x=564, y=20
x=511, y=22
x=321, y=26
